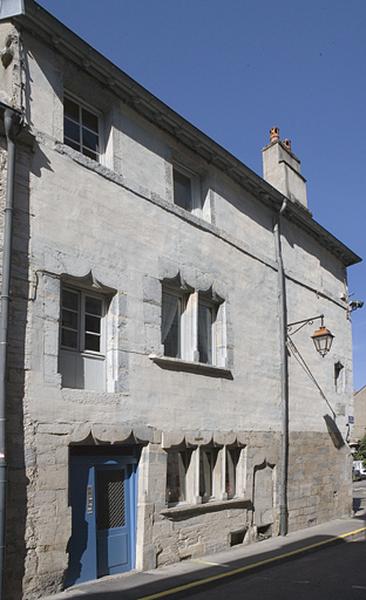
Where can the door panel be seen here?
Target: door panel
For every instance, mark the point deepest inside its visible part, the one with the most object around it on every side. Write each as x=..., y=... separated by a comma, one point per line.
x=113, y=528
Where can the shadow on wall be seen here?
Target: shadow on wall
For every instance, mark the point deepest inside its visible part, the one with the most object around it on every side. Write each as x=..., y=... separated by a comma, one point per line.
x=19, y=457
x=79, y=539
x=335, y=434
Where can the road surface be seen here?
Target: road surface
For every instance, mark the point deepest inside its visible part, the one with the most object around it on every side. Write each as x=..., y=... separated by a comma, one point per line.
x=336, y=572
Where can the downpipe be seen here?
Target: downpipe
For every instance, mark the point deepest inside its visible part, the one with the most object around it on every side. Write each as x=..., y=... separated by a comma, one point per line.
x=12, y=128
x=282, y=306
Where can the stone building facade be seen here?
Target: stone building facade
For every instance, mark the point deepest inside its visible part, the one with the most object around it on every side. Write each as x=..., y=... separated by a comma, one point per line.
x=144, y=388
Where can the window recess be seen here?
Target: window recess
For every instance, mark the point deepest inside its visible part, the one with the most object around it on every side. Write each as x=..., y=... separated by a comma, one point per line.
x=205, y=474
x=178, y=464
x=232, y=477
x=193, y=325
x=206, y=336
x=173, y=307
x=186, y=189
x=339, y=377
x=207, y=468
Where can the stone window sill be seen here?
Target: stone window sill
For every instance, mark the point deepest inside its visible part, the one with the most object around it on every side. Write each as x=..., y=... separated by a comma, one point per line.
x=178, y=364
x=184, y=511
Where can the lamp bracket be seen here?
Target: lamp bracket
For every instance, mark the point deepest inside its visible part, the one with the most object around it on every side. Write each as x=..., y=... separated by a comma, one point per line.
x=302, y=324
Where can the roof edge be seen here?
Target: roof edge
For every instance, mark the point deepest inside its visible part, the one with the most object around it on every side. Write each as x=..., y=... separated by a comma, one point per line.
x=29, y=12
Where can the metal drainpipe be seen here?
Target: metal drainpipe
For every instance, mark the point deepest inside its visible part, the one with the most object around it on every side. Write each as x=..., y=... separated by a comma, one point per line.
x=11, y=125
x=284, y=374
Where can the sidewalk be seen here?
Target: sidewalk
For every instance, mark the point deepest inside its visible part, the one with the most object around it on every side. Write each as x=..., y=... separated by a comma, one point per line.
x=191, y=574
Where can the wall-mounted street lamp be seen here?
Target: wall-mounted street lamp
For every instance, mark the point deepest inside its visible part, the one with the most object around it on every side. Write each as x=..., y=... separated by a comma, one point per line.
x=322, y=337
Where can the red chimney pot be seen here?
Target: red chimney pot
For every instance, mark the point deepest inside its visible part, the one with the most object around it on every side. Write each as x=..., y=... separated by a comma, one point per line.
x=274, y=135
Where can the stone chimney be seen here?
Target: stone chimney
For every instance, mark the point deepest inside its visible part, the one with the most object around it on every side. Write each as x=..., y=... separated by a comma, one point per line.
x=281, y=168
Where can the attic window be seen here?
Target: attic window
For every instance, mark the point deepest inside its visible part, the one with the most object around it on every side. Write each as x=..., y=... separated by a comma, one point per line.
x=186, y=189
x=81, y=128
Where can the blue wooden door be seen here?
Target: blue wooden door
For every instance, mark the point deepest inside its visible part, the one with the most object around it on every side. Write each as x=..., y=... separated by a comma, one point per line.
x=113, y=521
x=103, y=503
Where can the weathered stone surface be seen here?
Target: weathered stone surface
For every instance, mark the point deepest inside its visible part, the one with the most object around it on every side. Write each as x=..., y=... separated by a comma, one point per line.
x=116, y=225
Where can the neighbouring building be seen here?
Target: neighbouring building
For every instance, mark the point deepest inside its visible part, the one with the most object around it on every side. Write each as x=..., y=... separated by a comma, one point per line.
x=359, y=428
x=143, y=403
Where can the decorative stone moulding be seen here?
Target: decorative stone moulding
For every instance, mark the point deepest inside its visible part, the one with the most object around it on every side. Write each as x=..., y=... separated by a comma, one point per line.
x=261, y=462
x=173, y=439
x=100, y=433
x=189, y=279
x=89, y=280
x=178, y=282
x=7, y=53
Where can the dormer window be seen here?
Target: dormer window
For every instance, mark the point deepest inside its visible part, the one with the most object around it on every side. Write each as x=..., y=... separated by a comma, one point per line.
x=81, y=128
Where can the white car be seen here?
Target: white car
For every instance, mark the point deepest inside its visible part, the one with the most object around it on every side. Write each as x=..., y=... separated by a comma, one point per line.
x=359, y=469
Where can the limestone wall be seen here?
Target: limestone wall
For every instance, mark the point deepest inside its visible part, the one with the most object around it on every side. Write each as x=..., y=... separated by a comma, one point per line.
x=117, y=224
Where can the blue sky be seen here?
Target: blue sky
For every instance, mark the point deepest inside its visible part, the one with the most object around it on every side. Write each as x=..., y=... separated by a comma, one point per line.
x=234, y=68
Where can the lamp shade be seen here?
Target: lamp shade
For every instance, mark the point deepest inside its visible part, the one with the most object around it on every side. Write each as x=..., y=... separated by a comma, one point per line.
x=322, y=339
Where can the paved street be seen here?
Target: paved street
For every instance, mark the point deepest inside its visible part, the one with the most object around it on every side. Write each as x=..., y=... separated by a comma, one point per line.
x=306, y=565
x=334, y=572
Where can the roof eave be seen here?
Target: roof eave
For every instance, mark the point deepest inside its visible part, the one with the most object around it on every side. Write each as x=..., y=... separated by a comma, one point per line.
x=32, y=16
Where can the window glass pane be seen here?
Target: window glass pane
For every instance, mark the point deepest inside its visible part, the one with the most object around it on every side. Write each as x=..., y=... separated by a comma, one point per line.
x=72, y=144
x=90, y=154
x=205, y=333
x=92, y=323
x=71, y=109
x=182, y=190
x=93, y=305
x=70, y=299
x=71, y=131
x=92, y=342
x=89, y=120
x=69, y=339
x=69, y=319
x=90, y=140
x=170, y=326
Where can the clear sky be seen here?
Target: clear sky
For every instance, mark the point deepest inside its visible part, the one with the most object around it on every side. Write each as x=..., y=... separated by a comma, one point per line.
x=234, y=68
